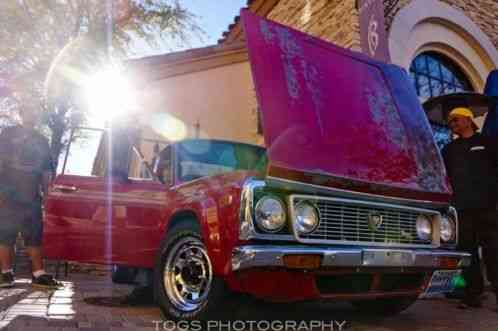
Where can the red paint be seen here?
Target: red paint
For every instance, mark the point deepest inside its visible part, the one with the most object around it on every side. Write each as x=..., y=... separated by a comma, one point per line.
x=333, y=112
x=94, y=230
x=291, y=286
x=77, y=225
x=275, y=285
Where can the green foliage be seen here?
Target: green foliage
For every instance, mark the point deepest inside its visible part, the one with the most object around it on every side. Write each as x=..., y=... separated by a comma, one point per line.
x=48, y=46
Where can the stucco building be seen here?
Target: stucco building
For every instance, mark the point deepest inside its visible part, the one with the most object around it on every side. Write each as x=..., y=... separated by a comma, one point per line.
x=446, y=45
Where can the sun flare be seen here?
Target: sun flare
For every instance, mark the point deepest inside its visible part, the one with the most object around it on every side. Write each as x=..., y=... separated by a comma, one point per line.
x=109, y=95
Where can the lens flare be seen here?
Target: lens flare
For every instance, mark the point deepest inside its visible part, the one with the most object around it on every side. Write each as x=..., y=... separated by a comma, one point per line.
x=109, y=95
x=168, y=126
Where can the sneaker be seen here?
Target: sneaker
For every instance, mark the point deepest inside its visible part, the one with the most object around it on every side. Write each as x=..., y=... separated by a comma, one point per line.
x=7, y=280
x=45, y=281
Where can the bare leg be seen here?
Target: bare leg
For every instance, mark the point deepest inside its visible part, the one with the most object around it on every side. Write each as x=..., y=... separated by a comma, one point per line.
x=35, y=253
x=6, y=253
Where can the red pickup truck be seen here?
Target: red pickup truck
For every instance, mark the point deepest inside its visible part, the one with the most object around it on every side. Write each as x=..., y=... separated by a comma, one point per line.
x=348, y=201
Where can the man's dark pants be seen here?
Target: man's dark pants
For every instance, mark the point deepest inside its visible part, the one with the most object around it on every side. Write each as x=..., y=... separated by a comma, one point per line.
x=479, y=228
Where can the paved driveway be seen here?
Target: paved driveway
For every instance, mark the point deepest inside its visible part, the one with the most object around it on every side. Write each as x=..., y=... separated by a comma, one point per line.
x=23, y=308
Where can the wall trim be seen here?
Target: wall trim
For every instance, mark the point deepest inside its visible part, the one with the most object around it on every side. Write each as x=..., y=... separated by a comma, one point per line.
x=150, y=69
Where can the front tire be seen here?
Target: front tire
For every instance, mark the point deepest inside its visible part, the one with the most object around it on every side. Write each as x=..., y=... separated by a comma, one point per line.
x=384, y=307
x=184, y=284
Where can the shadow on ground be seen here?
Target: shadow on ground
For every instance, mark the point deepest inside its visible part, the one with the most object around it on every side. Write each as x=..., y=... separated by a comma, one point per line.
x=25, y=308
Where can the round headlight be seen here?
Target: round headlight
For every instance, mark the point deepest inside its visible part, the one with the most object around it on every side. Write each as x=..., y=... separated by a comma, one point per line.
x=270, y=214
x=448, y=230
x=306, y=217
x=424, y=227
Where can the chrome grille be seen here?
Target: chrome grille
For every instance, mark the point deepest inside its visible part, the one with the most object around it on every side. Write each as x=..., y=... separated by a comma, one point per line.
x=346, y=221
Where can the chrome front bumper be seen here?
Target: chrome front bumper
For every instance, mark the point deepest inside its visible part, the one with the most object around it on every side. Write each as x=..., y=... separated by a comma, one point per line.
x=254, y=256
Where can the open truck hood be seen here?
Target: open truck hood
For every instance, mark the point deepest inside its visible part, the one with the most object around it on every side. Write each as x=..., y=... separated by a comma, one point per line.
x=336, y=118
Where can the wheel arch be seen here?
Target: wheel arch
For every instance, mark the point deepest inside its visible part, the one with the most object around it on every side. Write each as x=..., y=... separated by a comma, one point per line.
x=192, y=226
x=182, y=216
x=209, y=231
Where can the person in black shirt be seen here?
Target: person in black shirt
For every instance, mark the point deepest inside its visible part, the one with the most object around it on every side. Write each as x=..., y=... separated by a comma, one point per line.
x=472, y=164
x=25, y=169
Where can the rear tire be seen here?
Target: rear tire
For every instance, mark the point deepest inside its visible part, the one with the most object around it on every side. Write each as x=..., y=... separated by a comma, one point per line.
x=184, y=284
x=383, y=307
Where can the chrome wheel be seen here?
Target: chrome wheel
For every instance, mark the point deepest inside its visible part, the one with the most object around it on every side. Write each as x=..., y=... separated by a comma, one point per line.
x=188, y=274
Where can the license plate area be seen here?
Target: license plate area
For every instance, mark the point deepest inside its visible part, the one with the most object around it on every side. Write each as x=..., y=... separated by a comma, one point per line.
x=393, y=258
x=442, y=281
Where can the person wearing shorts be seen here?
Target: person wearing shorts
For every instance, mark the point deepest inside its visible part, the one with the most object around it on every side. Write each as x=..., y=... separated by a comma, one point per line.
x=25, y=169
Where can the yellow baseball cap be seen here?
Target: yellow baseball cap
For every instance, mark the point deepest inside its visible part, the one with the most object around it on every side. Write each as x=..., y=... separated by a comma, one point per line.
x=461, y=111
x=465, y=112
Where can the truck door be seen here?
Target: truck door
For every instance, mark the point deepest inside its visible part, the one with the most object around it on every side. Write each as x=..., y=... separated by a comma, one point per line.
x=76, y=226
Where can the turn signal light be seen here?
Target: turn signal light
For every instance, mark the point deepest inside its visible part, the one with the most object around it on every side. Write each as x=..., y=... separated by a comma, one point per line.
x=448, y=262
x=303, y=261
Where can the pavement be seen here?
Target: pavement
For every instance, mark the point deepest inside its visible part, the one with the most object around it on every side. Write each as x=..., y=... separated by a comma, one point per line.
x=27, y=308
x=70, y=308
x=88, y=302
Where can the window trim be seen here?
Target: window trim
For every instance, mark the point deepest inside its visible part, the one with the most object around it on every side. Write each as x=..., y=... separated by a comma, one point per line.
x=171, y=166
x=134, y=149
x=459, y=78
x=68, y=149
x=143, y=161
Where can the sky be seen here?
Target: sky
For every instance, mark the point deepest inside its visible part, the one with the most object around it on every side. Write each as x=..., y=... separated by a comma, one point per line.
x=213, y=16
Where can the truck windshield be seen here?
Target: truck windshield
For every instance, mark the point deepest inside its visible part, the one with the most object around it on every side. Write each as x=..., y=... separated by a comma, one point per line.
x=201, y=158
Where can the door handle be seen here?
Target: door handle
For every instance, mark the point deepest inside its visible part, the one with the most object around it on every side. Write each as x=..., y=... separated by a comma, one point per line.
x=65, y=188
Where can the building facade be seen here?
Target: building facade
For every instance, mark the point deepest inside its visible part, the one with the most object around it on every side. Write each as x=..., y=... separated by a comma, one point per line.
x=446, y=46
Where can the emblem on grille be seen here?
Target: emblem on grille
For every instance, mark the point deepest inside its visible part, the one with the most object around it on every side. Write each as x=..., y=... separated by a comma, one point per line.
x=374, y=221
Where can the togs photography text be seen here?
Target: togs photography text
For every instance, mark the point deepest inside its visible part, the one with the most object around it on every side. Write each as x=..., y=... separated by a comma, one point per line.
x=250, y=325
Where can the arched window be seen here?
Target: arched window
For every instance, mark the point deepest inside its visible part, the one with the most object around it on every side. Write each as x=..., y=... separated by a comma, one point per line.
x=434, y=74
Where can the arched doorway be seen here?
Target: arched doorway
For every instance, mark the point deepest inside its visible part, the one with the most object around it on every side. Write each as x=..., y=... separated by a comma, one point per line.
x=434, y=26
